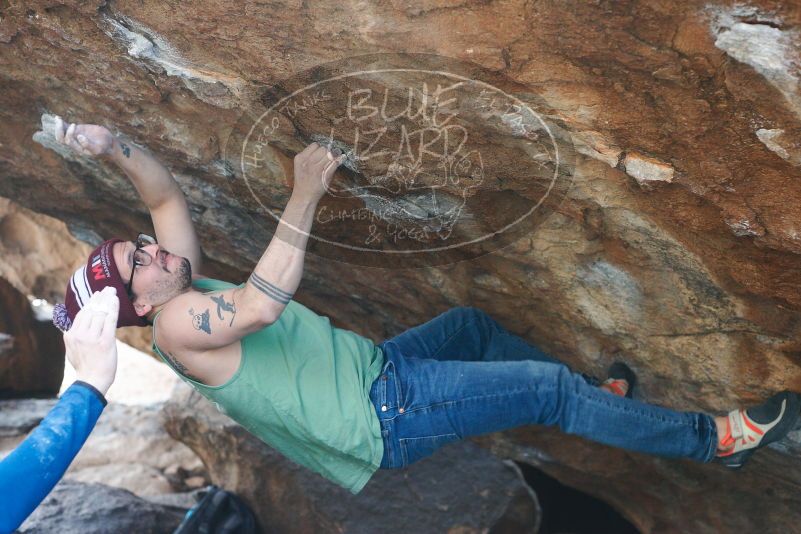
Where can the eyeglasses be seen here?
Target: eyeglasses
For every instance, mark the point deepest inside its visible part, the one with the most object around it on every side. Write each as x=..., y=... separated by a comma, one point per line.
x=140, y=257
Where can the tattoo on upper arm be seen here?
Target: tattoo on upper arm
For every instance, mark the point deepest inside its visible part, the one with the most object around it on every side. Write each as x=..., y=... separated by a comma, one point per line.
x=126, y=150
x=201, y=320
x=272, y=291
x=180, y=367
x=223, y=306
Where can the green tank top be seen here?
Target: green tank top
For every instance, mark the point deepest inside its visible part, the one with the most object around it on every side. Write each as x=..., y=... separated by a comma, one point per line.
x=303, y=387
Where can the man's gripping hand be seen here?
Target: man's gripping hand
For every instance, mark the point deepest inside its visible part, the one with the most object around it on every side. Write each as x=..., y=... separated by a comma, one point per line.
x=90, y=342
x=314, y=169
x=85, y=139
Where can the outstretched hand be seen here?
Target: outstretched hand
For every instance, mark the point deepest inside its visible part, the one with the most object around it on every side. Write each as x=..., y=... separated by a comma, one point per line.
x=86, y=139
x=314, y=170
x=90, y=342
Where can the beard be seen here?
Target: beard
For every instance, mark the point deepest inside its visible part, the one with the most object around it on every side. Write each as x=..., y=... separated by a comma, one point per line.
x=183, y=275
x=168, y=288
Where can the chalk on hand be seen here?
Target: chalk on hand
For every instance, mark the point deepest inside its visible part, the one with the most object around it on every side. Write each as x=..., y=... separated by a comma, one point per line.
x=58, y=129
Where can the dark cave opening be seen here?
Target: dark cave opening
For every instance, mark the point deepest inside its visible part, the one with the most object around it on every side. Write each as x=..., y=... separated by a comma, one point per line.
x=566, y=510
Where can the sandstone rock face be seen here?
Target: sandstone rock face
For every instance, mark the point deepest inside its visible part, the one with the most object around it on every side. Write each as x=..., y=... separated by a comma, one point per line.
x=672, y=243
x=461, y=489
x=130, y=449
x=24, y=236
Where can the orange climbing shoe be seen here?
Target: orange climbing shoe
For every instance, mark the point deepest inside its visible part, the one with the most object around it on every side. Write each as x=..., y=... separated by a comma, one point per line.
x=621, y=380
x=750, y=429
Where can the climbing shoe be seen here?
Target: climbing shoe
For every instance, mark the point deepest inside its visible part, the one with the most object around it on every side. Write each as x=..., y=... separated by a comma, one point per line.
x=750, y=429
x=621, y=380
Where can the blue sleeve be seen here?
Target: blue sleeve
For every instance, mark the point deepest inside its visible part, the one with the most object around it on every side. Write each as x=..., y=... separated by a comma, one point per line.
x=29, y=473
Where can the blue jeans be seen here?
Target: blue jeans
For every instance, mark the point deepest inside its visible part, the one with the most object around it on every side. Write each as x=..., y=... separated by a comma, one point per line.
x=461, y=374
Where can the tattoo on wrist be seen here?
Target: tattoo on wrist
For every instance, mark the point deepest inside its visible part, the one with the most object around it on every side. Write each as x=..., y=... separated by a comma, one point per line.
x=223, y=306
x=201, y=320
x=126, y=150
x=272, y=291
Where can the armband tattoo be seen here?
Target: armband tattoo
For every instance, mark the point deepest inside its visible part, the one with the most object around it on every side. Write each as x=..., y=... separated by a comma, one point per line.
x=272, y=291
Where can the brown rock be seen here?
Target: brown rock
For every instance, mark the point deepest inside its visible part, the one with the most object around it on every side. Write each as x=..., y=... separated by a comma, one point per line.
x=33, y=364
x=461, y=487
x=73, y=507
x=130, y=449
x=138, y=478
x=695, y=281
x=24, y=235
x=195, y=482
x=764, y=491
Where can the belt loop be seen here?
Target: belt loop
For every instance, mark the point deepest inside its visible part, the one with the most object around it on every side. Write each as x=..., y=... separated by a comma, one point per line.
x=398, y=391
x=389, y=380
x=385, y=373
x=392, y=384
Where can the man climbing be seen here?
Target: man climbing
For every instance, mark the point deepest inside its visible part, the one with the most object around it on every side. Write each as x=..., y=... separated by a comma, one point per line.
x=334, y=401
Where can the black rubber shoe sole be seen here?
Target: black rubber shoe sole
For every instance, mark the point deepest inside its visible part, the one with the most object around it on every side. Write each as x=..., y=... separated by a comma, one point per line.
x=764, y=413
x=620, y=370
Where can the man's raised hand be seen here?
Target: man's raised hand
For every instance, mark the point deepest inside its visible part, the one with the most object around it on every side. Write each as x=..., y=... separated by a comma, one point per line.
x=314, y=169
x=85, y=139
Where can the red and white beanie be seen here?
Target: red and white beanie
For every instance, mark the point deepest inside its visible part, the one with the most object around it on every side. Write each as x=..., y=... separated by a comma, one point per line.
x=100, y=271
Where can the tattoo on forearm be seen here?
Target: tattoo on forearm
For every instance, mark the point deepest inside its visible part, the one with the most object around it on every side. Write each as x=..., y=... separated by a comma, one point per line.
x=126, y=150
x=272, y=291
x=225, y=306
x=180, y=367
x=201, y=320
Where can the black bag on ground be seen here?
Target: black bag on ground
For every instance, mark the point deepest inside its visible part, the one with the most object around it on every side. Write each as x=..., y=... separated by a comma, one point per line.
x=218, y=512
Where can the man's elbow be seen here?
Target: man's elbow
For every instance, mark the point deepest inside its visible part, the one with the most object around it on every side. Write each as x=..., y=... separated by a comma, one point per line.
x=268, y=316
x=260, y=310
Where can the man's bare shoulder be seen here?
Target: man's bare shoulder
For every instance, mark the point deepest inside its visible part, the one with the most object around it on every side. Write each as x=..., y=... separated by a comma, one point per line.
x=168, y=321
x=198, y=321
x=197, y=338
